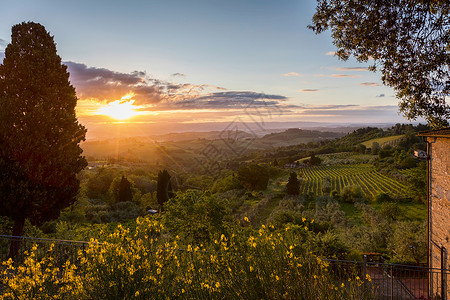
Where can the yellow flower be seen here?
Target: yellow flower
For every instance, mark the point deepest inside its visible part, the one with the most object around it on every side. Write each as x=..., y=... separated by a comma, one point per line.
x=303, y=219
x=246, y=219
x=136, y=294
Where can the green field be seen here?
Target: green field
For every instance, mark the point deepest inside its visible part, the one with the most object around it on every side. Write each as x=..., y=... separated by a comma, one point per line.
x=389, y=140
x=365, y=176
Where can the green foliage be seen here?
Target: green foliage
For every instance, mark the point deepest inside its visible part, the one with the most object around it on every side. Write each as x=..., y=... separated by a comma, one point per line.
x=330, y=245
x=417, y=182
x=313, y=160
x=383, y=153
x=351, y=194
x=230, y=182
x=408, y=163
x=195, y=216
x=121, y=190
x=335, y=194
x=253, y=177
x=391, y=211
x=375, y=148
x=409, y=242
x=40, y=154
x=408, y=41
x=98, y=185
x=372, y=235
x=125, y=210
x=149, y=201
x=293, y=184
x=382, y=197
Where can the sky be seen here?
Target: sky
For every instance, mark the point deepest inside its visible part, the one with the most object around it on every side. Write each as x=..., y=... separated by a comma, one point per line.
x=166, y=65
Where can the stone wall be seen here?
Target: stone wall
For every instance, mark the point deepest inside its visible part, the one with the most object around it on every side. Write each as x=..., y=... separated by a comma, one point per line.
x=440, y=198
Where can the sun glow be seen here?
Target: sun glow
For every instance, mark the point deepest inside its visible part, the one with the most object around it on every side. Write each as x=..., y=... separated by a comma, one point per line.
x=120, y=109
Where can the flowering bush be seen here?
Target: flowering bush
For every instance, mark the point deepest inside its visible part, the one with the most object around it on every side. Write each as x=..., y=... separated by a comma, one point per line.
x=147, y=264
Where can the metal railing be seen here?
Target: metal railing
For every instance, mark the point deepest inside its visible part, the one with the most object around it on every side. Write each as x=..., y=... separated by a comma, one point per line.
x=63, y=249
x=385, y=281
x=394, y=281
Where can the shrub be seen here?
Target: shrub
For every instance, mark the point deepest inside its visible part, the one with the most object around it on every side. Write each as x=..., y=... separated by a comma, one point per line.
x=143, y=264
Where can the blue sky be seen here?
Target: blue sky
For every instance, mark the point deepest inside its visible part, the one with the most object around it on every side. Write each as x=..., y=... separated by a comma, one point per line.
x=215, y=48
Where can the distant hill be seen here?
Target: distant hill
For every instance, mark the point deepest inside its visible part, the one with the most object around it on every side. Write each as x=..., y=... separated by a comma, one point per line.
x=187, y=145
x=361, y=135
x=295, y=136
x=207, y=135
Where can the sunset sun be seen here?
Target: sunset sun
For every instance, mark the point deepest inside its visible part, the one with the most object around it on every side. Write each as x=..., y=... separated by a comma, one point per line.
x=120, y=109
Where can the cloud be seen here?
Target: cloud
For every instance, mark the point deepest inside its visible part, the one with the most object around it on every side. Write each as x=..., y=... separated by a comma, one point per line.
x=105, y=85
x=2, y=56
x=291, y=74
x=178, y=75
x=369, y=84
x=308, y=90
x=358, y=69
x=328, y=106
x=380, y=96
x=152, y=94
x=227, y=100
x=337, y=75
x=344, y=76
x=330, y=53
x=351, y=111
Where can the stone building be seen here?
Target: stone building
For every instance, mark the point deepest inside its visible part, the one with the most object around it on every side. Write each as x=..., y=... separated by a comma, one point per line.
x=438, y=198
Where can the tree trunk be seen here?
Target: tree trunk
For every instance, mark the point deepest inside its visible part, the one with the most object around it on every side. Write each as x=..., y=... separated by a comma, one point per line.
x=15, y=242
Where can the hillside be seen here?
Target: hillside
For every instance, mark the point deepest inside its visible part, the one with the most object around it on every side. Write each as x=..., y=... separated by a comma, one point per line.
x=295, y=136
x=186, y=146
x=384, y=141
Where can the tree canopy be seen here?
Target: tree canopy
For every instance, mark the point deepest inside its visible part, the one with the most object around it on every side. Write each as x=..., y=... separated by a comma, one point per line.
x=40, y=154
x=408, y=41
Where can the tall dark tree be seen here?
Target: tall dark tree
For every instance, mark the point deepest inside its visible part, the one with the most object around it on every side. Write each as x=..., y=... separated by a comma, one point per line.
x=408, y=41
x=124, y=193
x=39, y=133
x=163, y=188
x=293, y=184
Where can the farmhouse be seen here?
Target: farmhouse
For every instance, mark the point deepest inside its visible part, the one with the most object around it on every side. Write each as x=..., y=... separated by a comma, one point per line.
x=420, y=154
x=438, y=198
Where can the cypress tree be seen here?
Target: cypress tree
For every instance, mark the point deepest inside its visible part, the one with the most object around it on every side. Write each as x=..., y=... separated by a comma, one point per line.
x=40, y=154
x=124, y=193
x=293, y=184
x=163, y=188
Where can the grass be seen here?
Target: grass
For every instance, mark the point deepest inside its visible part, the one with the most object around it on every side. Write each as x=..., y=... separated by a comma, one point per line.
x=383, y=141
x=414, y=211
x=351, y=212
